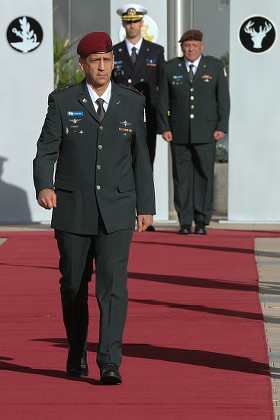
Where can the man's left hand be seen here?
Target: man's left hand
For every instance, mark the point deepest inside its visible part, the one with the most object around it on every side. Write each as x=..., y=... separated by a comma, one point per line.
x=144, y=221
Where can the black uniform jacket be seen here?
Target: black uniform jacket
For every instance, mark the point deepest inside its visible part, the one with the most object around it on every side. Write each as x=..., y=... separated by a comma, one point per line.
x=145, y=74
x=193, y=111
x=100, y=167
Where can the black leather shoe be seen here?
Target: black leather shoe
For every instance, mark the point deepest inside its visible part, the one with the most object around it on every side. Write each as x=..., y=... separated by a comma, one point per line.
x=77, y=366
x=185, y=230
x=110, y=375
x=150, y=229
x=200, y=228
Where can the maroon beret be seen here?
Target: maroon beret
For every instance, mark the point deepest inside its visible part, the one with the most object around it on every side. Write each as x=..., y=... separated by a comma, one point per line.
x=94, y=43
x=192, y=35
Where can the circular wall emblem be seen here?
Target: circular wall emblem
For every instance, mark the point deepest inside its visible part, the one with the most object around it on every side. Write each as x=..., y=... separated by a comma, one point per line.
x=149, y=30
x=24, y=34
x=257, y=34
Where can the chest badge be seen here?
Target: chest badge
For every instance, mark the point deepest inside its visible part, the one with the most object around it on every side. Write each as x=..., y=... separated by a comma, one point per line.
x=125, y=123
x=74, y=120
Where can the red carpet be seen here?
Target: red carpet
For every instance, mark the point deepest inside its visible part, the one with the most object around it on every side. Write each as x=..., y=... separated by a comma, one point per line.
x=194, y=345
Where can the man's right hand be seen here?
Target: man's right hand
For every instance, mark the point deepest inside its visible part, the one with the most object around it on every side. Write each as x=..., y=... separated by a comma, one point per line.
x=167, y=136
x=47, y=198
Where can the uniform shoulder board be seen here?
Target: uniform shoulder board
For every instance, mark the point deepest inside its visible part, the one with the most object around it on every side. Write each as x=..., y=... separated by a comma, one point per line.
x=211, y=57
x=172, y=59
x=131, y=88
x=60, y=88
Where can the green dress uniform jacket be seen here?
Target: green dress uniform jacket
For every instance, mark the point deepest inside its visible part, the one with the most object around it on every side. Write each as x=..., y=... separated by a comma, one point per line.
x=101, y=167
x=193, y=111
x=102, y=177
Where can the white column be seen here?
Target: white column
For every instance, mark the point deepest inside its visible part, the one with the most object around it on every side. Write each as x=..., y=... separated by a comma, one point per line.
x=254, y=146
x=26, y=63
x=158, y=12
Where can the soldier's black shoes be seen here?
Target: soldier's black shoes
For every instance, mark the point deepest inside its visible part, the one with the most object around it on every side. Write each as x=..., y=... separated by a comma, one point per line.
x=77, y=366
x=110, y=375
x=200, y=228
x=185, y=230
x=150, y=229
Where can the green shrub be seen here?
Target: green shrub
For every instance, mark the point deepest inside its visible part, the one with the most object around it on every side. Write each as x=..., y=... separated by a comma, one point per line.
x=221, y=153
x=65, y=69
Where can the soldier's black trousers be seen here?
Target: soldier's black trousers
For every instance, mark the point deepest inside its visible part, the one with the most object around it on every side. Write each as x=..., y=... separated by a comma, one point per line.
x=110, y=252
x=193, y=177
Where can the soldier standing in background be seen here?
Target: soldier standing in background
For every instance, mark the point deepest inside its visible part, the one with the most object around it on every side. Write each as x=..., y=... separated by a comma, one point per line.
x=138, y=63
x=193, y=114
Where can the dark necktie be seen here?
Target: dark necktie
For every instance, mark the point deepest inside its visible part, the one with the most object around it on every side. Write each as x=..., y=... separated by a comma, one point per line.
x=191, y=73
x=100, y=110
x=133, y=55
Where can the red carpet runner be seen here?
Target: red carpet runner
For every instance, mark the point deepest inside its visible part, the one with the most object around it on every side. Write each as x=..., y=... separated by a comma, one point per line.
x=194, y=341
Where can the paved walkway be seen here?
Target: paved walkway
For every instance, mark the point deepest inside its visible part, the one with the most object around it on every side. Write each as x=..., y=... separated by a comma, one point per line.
x=267, y=252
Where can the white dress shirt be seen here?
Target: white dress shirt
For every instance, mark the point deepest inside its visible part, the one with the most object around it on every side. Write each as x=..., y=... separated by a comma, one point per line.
x=129, y=46
x=106, y=96
x=195, y=65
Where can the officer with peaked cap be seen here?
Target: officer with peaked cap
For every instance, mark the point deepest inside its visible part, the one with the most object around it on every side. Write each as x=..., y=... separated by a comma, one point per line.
x=193, y=115
x=132, y=12
x=138, y=63
x=94, y=135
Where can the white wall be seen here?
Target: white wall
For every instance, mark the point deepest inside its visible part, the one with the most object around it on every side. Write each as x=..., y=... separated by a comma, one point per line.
x=158, y=12
x=26, y=80
x=254, y=146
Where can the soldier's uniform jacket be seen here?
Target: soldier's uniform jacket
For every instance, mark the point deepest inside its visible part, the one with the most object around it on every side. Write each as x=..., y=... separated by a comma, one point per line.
x=101, y=166
x=193, y=110
x=145, y=74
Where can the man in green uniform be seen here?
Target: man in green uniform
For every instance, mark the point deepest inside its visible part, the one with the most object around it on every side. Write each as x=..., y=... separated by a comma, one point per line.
x=95, y=133
x=193, y=114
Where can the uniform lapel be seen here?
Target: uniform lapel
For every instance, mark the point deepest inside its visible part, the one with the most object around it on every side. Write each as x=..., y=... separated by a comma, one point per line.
x=115, y=102
x=145, y=57
x=183, y=69
x=200, y=69
x=141, y=62
x=126, y=60
x=85, y=100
